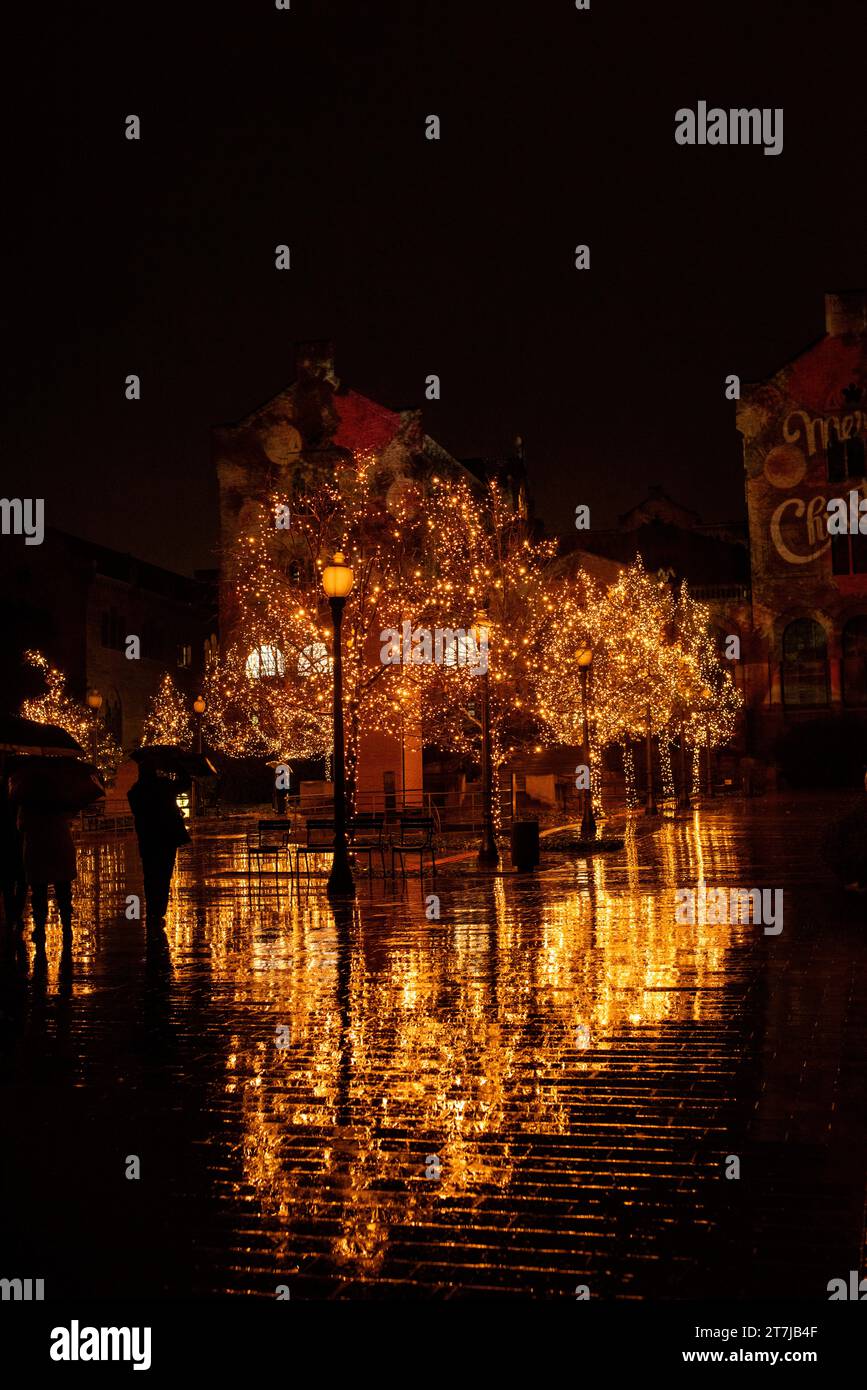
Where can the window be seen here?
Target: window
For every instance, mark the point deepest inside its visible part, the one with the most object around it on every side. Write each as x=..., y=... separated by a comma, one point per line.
x=855, y=662
x=845, y=456
x=185, y=657
x=265, y=661
x=849, y=554
x=113, y=630
x=805, y=664
x=313, y=660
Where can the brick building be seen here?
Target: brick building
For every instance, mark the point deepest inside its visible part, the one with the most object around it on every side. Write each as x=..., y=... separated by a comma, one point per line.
x=77, y=602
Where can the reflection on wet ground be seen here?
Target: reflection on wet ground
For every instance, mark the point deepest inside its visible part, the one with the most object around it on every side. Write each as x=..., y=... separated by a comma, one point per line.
x=542, y=1089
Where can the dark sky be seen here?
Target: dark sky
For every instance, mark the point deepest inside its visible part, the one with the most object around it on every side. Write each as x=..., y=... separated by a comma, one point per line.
x=307, y=127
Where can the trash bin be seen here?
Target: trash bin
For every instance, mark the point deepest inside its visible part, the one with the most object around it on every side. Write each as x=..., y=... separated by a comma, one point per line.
x=525, y=844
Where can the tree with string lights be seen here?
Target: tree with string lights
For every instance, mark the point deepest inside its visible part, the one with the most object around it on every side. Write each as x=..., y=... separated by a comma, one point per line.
x=56, y=706
x=270, y=693
x=168, y=718
x=651, y=660
x=489, y=578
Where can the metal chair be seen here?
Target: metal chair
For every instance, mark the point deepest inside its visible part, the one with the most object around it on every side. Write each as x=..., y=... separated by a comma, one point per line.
x=320, y=839
x=366, y=835
x=266, y=842
x=415, y=837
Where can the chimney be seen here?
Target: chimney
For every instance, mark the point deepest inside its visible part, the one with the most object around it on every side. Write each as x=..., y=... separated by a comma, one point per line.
x=845, y=312
x=314, y=360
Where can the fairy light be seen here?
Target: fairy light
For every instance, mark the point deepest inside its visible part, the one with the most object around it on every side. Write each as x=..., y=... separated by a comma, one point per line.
x=653, y=657
x=57, y=707
x=168, y=718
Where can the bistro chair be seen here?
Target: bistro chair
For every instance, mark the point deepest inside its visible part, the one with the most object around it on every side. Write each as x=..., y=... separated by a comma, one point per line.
x=367, y=836
x=319, y=840
x=266, y=842
x=415, y=836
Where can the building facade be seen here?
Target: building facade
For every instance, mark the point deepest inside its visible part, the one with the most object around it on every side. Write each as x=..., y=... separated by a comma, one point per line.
x=804, y=433
x=78, y=603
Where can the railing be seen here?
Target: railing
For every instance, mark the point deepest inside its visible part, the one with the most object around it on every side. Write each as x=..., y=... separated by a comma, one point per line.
x=449, y=810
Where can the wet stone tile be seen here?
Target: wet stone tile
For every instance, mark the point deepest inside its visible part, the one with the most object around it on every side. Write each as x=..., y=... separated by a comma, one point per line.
x=539, y=1090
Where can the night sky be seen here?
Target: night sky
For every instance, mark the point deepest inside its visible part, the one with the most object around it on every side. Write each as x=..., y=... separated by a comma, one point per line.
x=307, y=127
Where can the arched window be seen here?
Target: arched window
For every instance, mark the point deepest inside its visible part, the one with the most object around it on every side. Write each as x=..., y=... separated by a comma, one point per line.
x=855, y=662
x=265, y=661
x=314, y=659
x=461, y=649
x=805, y=664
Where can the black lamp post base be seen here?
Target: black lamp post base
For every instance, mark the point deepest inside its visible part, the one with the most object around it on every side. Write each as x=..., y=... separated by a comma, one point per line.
x=341, y=884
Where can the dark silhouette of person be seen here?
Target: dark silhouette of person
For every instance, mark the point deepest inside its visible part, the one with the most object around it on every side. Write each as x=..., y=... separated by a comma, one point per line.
x=13, y=883
x=160, y=828
x=48, y=852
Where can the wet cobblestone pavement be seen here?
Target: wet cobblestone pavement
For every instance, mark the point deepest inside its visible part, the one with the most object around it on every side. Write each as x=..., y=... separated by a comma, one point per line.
x=537, y=1091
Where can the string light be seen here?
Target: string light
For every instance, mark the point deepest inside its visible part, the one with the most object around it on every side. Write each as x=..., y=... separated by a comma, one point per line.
x=57, y=707
x=168, y=719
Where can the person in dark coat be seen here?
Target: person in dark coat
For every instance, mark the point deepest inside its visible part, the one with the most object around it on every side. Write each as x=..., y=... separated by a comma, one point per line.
x=13, y=884
x=49, y=857
x=160, y=828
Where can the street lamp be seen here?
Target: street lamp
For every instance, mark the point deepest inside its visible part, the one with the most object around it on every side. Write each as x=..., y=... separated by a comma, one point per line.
x=584, y=657
x=196, y=798
x=707, y=696
x=686, y=663
x=337, y=581
x=488, y=852
x=198, y=710
x=94, y=700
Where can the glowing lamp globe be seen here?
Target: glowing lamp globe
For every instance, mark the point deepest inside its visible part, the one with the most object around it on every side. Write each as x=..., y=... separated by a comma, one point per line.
x=199, y=704
x=94, y=699
x=585, y=656
x=337, y=578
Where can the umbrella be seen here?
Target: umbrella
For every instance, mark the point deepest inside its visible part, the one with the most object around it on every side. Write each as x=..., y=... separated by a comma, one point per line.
x=27, y=736
x=168, y=757
x=62, y=783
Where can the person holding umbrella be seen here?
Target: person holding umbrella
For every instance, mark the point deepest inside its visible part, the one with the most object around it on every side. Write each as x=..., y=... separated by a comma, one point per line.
x=49, y=858
x=159, y=826
x=48, y=792
x=13, y=884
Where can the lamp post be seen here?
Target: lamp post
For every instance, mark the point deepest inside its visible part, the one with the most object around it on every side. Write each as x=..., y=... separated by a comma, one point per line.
x=488, y=852
x=707, y=696
x=683, y=798
x=683, y=795
x=584, y=657
x=198, y=711
x=650, y=803
x=337, y=581
x=94, y=701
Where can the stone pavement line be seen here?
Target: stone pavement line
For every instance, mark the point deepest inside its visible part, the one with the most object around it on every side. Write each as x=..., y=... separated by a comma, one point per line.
x=579, y=1065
